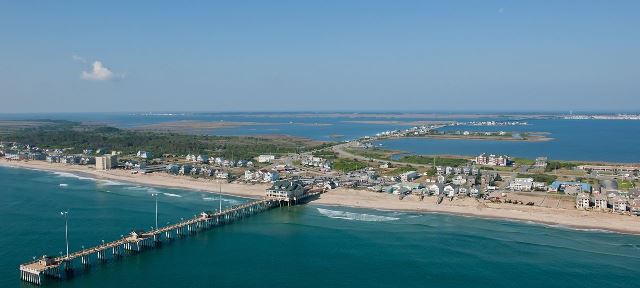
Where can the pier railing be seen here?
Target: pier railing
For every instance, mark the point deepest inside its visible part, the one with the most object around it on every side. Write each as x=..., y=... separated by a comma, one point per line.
x=38, y=271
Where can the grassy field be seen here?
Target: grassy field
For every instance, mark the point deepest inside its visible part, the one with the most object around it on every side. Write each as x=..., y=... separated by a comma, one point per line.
x=76, y=137
x=625, y=185
x=348, y=165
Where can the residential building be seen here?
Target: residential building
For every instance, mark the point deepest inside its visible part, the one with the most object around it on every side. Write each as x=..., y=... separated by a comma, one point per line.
x=600, y=202
x=105, y=162
x=619, y=205
x=583, y=201
x=266, y=158
x=286, y=190
x=521, y=184
x=571, y=188
x=408, y=176
x=541, y=162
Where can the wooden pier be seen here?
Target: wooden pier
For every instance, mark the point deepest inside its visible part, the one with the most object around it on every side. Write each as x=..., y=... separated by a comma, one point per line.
x=38, y=271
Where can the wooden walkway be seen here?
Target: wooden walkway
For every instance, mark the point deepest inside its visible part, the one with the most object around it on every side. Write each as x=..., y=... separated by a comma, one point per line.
x=38, y=271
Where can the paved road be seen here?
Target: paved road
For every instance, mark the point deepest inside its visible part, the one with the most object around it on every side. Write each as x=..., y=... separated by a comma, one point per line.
x=340, y=150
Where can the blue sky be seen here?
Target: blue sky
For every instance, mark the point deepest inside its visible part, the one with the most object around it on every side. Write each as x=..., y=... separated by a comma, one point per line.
x=76, y=56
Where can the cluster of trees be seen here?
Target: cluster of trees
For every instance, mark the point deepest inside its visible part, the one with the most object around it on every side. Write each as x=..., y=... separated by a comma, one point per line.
x=76, y=137
x=555, y=165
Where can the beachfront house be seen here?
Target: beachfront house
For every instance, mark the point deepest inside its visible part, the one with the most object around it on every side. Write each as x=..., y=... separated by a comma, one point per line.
x=635, y=207
x=619, y=204
x=286, y=190
x=172, y=169
x=521, y=184
x=570, y=188
x=583, y=201
x=436, y=189
x=450, y=190
x=600, y=202
x=185, y=170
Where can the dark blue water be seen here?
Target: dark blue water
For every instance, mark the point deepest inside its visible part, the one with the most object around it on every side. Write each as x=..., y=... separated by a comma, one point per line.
x=592, y=140
x=310, y=246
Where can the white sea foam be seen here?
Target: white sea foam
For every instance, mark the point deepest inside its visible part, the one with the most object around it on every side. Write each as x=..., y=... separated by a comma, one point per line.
x=63, y=185
x=230, y=201
x=110, y=183
x=171, y=195
x=71, y=175
x=354, y=216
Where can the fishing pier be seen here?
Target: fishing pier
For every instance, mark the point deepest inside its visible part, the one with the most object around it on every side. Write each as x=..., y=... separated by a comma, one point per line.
x=38, y=271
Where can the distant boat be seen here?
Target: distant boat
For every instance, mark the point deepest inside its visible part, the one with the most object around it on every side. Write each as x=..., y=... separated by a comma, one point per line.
x=64, y=185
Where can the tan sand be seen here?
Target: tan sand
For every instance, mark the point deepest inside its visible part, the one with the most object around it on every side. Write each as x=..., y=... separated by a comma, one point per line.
x=365, y=199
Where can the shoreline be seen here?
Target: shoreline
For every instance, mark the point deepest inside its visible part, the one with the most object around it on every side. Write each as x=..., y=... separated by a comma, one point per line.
x=480, y=138
x=341, y=197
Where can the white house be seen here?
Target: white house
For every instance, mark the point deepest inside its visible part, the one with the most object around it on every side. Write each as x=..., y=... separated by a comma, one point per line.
x=449, y=190
x=619, y=205
x=266, y=158
x=600, y=202
x=144, y=154
x=521, y=184
x=582, y=201
x=408, y=176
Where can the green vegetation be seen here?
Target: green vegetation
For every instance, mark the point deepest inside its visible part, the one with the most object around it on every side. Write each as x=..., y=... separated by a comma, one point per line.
x=625, y=184
x=371, y=153
x=415, y=159
x=400, y=170
x=524, y=161
x=347, y=165
x=325, y=153
x=76, y=137
x=555, y=165
x=539, y=177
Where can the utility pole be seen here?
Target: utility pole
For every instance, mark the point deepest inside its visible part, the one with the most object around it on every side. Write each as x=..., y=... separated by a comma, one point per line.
x=220, y=197
x=156, y=195
x=65, y=214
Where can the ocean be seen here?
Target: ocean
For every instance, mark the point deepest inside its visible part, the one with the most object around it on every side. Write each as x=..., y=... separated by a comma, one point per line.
x=582, y=140
x=308, y=245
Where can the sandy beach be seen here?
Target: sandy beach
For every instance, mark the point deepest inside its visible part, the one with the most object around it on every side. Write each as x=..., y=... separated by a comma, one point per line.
x=365, y=199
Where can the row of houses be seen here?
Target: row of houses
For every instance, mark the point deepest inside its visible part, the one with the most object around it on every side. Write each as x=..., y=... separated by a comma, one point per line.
x=262, y=175
x=431, y=189
x=220, y=161
x=493, y=160
x=566, y=187
x=312, y=161
x=612, y=202
x=193, y=170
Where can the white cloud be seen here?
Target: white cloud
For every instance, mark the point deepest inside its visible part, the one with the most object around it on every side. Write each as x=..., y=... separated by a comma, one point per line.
x=99, y=73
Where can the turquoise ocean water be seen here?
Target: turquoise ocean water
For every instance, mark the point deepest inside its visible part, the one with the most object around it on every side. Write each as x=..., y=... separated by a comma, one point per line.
x=304, y=246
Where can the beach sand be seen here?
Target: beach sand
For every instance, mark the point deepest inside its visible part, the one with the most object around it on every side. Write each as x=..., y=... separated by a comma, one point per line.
x=364, y=199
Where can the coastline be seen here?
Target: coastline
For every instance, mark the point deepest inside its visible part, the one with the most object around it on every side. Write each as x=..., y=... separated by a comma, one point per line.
x=570, y=218
x=482, y=138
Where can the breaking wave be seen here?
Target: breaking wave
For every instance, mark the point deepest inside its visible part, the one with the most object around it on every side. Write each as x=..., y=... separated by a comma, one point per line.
x=171, y=195
x=230, y=201
x=71, y=175
x=354, y=216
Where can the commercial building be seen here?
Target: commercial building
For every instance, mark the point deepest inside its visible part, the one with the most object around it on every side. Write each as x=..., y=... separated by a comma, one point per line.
x=106, y=162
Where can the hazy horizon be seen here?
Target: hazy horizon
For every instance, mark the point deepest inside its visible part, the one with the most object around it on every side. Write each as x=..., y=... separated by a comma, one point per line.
x=325, y=56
